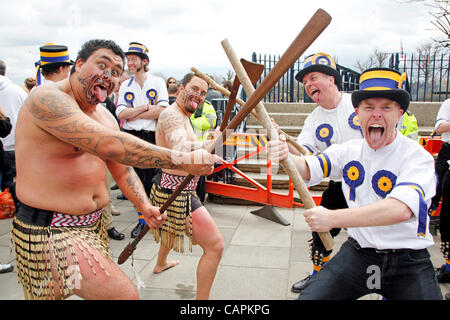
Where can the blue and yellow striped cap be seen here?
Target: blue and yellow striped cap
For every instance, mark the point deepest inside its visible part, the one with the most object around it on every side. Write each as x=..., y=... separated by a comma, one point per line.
x=51, y=54
x=138, y=49
x=382, y=83
x=320, y=62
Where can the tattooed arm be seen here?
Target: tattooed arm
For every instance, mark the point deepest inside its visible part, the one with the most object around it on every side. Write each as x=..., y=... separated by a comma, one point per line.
x=171, y=125
x=58, y=114
x=131, y=186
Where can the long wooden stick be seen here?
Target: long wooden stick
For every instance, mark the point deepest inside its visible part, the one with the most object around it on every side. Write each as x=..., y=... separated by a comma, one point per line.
x=241, y=102
x=287, y=164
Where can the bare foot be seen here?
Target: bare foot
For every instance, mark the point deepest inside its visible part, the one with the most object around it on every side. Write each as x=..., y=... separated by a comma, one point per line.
x=168, y=265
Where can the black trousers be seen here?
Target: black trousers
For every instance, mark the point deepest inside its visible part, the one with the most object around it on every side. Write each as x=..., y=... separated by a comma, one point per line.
x=353, y=272
x=145, y=175
x=9, y=169
x=332, y=198
x=441, y=167
x=444, y=224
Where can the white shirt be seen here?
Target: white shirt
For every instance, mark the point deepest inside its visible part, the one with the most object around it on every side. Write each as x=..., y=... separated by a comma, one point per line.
x=131, y=94
x=11, y=99
x=444, y=116
x=402, y=170
x=324, y=127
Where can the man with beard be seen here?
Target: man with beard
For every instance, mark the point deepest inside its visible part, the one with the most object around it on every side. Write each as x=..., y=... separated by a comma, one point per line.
x=333, y=121
x=65, y=143
x=388, y=181
x=186, y=215
x=141, y=100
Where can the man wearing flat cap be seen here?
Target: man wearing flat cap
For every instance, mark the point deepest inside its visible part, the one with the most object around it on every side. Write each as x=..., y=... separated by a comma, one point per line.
x=388, y=181
x=54, y=64
x=141, y=99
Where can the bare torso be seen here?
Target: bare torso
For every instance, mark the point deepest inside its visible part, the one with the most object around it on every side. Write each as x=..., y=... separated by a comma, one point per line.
x=53, y=174
x=173, y=130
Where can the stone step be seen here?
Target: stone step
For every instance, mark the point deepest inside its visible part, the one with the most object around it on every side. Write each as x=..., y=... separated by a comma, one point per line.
x=282, y=118
x=294, y=130
x=290, y=107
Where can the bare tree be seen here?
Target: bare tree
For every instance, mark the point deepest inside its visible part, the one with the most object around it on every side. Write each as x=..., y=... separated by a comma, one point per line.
x=376, y=60
x=441, y=13
x=229, y=76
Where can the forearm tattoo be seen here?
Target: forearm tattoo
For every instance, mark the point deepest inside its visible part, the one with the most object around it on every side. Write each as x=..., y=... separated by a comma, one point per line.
x=135, y=185
x=58, y=115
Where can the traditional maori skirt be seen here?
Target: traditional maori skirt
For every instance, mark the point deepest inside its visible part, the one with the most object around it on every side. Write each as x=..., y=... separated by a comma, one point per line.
x=45, y=242
x=172, y=232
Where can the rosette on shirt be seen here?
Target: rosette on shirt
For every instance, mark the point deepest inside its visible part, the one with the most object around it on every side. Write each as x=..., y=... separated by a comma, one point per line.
x=353, y=122
x=353, y=174
x=324, y=133
x=151, y=95
x=383, y=182
x=129, y=98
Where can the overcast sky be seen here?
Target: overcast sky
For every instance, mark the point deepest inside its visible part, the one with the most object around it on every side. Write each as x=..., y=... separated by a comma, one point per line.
x=182, y=34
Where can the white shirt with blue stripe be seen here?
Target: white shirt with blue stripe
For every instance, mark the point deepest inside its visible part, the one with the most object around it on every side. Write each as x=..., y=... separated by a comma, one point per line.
x=444, y=116
x=131, y=95
x=324, y=127
x=402, y=170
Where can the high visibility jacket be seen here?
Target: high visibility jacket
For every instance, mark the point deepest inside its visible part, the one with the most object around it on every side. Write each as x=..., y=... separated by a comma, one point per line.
x=408, y=126
x=203, y=120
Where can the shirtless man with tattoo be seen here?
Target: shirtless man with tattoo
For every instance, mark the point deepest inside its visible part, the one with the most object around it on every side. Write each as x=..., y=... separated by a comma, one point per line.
x=186, y=215
x=64, y=142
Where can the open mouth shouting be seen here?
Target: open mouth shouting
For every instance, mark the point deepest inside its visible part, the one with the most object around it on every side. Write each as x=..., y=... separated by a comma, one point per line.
x=376, y=135
x=314, y=94
x=99, y=90
x=192, y=101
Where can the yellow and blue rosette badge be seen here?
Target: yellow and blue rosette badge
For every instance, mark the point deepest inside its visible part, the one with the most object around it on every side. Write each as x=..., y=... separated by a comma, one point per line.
x=325, y=59
x=383, y=182
x=353, y=173
x=129, y=97
x=151, y=95
x=353, y=122
x=324, y=133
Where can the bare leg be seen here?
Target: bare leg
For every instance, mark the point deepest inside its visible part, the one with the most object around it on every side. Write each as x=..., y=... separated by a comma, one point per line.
x=162, y=264
x=208, y=236
x=101, y=285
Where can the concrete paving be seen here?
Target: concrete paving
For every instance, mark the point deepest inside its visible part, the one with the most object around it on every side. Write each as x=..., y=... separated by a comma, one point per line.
x=261, y=260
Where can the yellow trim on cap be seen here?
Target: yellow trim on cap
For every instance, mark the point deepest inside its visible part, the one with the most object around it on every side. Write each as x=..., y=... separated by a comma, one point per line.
x=379, y=74
x=54, y=54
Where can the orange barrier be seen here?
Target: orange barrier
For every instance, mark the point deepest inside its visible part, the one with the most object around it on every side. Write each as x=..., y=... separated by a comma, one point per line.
x=261, y=194
x=433, y=145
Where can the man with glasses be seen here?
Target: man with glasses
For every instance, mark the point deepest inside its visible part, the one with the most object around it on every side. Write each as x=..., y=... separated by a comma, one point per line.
x=141, y=100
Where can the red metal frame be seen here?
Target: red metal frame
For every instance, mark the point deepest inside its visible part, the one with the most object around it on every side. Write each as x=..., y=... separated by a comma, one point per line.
x=258, y=194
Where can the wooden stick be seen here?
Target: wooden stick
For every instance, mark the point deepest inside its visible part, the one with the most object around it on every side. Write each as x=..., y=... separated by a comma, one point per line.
x=287, y=164
x=241, y=102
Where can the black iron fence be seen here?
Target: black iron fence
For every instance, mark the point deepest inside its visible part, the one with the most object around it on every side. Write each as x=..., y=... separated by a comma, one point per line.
x=428, y=77
x=287, y=89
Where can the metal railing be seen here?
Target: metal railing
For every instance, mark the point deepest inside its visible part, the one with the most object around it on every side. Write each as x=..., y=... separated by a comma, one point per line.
x=428, y=75
x=287, y=89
